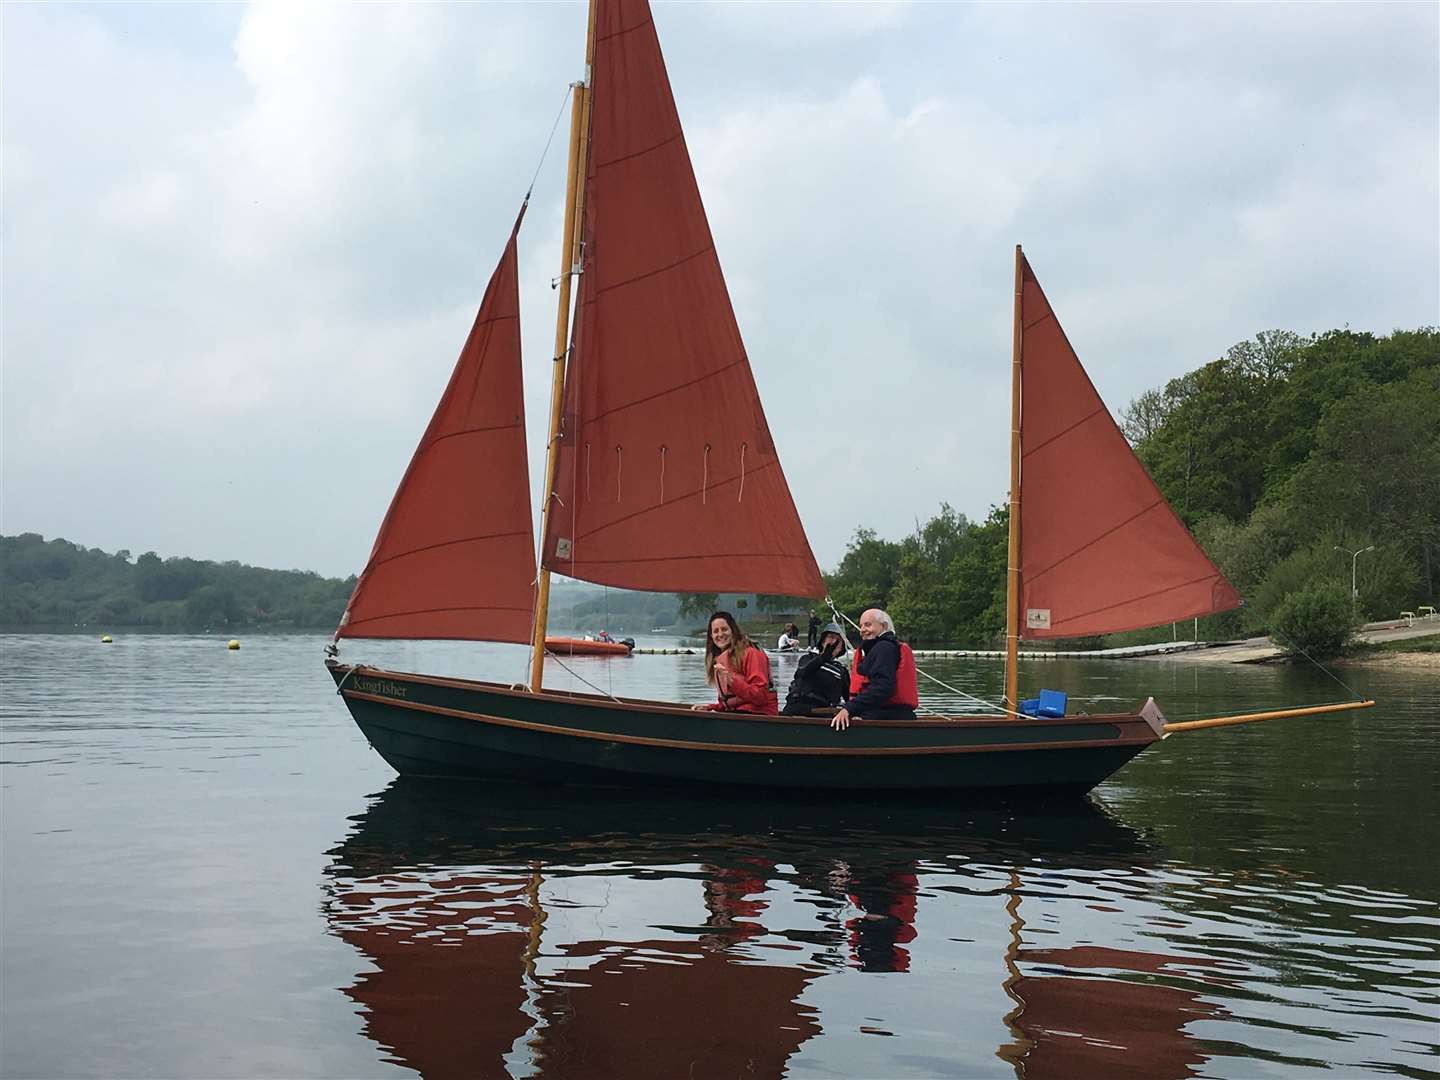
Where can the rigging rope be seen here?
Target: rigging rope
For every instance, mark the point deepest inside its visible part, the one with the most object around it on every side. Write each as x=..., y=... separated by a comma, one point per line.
x=1290, y=644
x=553, y=128
x=582, y=678
x=1280, y=639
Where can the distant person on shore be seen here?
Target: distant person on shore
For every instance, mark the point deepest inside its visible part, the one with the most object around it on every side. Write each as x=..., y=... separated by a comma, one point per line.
x=789, y=640
x=822, y=679
x=813, y=629
x=882, y=682
x=739, y=671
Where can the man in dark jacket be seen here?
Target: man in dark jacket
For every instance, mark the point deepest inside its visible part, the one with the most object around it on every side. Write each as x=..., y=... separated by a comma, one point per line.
x=814, y=626
x=883, y=684
x=822, y=679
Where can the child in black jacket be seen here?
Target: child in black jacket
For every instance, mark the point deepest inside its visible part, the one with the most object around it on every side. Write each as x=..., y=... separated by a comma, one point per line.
x=822, y=680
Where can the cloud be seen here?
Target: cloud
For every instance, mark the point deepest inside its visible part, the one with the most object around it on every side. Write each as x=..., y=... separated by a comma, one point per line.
x=243, y=246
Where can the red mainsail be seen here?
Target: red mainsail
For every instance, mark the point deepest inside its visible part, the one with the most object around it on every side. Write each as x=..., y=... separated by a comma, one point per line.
x=1101, y=551
x=455, y=555
x=667, y=478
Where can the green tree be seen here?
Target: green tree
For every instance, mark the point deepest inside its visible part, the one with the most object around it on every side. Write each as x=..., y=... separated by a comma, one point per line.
x=1375, y=469
x=977, y=577
x=697, y=605
x=56, y=582
x=1317, y=621
x=211, y=605
x=867, y=573
x=773, y=604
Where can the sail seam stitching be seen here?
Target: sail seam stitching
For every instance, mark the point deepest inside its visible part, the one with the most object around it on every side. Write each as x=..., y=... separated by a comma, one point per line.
x=1061, y=434
x=442, y=543
x=639, y=153
x=682, y=558
x=1091, y=543
x=472, y=431
x=660, y=393
x=496, y=318
x=651, y=273
x=1135, y=599
x=623, y=31
x=432, y=611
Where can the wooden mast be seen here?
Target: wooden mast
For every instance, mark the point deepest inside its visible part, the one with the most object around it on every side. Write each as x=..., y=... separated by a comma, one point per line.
x=1012, y=579
x=570, y=252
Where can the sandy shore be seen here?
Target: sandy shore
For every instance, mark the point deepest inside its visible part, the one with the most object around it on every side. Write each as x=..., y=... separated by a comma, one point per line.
x=1260, y=650
x=1421, y=660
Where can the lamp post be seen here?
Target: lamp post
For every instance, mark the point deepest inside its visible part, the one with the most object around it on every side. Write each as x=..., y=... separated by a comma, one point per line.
x=1354, y=558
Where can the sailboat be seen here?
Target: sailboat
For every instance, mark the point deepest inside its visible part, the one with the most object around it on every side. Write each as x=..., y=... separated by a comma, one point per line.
x=661, y=474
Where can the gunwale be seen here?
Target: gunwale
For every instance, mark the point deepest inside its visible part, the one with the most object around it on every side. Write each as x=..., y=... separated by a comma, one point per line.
x=648, y=706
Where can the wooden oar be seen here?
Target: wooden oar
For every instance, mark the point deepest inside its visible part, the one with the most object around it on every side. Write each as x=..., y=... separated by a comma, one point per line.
x=1274, y=714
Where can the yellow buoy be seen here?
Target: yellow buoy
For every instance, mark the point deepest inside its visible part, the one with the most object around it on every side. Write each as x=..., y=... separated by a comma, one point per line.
x=234, y=643
x=105, y=639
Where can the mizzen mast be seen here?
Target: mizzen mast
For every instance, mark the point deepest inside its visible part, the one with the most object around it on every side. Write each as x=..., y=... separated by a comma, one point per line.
x=1012, y=579
x=570, y=255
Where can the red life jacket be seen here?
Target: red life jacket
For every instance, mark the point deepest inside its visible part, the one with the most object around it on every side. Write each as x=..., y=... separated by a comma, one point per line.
x=907, y=689
x=751, y=690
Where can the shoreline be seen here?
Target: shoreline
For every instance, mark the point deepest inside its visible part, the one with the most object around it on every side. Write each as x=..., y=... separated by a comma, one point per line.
x=1261, y=650
x=1392, y=659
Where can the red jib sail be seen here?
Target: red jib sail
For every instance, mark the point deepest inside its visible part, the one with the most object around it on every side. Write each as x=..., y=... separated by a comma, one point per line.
x=667, y=478
x=455, y=556
x=1101, y=551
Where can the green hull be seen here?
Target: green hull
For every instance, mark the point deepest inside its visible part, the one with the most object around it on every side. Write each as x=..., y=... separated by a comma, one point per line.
x=428, y=726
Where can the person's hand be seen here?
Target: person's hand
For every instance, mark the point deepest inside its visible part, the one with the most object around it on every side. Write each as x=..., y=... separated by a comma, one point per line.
x=722, y=679
x=841, y=721
x=699, y=708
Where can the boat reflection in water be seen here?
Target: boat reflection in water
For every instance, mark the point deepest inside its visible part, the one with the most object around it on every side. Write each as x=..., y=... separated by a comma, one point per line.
x=600, y=935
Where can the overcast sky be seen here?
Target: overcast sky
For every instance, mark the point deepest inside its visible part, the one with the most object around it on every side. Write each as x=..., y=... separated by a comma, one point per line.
x=243, y=244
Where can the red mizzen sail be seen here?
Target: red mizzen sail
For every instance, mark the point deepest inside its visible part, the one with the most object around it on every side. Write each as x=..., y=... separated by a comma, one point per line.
x=1101, y=551
x=667, y=478
x=455, y=555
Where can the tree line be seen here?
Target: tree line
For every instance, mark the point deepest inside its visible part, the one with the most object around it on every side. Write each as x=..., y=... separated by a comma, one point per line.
x=57, y=583
x=1284, y=456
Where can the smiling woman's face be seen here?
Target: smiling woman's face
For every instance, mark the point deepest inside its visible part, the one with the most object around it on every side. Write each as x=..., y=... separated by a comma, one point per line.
x=720, y=634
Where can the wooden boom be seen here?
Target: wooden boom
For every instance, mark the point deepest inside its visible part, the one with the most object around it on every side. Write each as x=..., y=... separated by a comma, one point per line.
x=1274, y=714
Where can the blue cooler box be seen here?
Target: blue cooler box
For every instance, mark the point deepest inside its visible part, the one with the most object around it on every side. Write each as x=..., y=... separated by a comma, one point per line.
x=1050, y=703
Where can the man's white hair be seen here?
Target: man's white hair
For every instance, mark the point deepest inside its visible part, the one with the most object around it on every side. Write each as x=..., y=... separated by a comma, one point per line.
x=883, y=618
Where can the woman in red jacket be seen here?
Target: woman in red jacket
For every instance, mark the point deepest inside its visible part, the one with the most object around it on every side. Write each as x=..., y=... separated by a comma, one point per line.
x=739, y=671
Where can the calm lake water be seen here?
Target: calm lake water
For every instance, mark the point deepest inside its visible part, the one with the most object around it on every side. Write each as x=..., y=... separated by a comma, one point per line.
x=207, y=872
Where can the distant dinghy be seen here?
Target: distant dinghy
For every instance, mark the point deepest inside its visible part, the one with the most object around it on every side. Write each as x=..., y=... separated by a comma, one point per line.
x=569, y=646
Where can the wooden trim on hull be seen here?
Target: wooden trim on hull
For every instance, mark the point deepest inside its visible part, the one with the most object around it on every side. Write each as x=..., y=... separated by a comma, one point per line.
x=428, y=726
x=740, y=748
x=346, y=674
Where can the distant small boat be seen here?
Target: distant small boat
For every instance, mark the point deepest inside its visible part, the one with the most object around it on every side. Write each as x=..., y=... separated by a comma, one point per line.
x=569, y=646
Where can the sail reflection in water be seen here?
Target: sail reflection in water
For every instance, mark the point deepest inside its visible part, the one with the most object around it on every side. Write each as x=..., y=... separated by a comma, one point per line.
x=716, y=940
